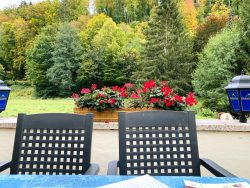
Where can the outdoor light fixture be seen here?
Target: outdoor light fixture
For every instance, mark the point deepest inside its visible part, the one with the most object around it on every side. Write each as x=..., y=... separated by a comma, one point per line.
x=4, y=95
x=238, y=91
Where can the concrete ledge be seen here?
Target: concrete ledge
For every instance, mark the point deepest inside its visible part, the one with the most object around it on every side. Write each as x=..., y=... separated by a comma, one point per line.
x=202, y=125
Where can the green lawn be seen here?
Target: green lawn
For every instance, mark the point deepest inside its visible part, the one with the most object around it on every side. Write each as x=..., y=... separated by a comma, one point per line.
x=21, y=100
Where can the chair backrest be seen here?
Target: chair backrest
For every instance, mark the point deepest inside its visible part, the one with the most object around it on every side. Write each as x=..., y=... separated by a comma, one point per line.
x=158, y=143
x=53, y=143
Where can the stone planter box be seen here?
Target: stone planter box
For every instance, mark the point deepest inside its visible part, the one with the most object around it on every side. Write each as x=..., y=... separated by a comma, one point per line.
x=107, y=115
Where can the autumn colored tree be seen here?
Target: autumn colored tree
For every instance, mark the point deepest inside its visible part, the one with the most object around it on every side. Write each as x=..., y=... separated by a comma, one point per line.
x=111, y=52
x=7, y=46
x=188, y=11
x=212, y=24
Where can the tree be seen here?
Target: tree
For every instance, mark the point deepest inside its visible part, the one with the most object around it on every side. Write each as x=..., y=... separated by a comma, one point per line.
x=7, y=46
x=217, y=19
x=245, y=35
x=126, y=10
x=39, y=60
x=168, y=50
x=71, y=9
x=189, y=14
x=110, y=54
x=67, y=55
x=217, y=65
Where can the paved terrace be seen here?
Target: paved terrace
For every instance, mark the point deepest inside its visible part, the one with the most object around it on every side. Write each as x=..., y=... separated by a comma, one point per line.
x=227, y=142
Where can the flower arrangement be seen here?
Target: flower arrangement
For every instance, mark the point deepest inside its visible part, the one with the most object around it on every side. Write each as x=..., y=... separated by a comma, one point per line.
x=106, y=98
x=162, y=97
x=150, y=95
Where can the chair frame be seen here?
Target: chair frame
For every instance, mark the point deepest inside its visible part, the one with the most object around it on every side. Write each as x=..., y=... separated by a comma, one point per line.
x=177, y=119
x=80, y=126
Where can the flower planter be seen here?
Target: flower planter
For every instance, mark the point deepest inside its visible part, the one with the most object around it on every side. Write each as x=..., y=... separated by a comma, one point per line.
x=107, y=115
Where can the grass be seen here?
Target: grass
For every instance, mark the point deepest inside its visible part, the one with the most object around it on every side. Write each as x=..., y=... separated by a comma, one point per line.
x=22, y=100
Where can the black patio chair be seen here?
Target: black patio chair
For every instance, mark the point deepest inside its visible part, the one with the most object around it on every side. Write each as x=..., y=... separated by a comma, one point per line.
x=52, y=143
x=160, y=143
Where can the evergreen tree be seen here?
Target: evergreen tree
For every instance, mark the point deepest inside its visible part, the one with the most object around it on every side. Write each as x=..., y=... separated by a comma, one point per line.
x=168, y=50
x=67, y=55
x=245, y=35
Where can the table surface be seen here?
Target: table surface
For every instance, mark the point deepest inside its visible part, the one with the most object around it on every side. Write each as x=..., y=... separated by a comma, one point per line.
x=7, y=181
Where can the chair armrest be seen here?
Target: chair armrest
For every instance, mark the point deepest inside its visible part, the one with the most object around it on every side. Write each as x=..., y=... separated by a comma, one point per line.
x=113, y=168
x=4, y=166
x=93, y=169
x=215, y=168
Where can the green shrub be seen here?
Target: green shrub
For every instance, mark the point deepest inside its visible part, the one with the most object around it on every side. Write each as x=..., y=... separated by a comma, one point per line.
x=206, y=112
x=2, y=72
x=217, y=65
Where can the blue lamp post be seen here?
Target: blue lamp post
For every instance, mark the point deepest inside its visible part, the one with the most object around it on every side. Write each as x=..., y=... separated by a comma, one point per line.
x=238, y=91
x=4, y=95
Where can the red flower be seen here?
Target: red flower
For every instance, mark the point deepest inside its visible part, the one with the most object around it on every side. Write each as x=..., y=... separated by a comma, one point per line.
x=115, y=88
x=178, y=98
x=121, y=89
x=93, y=87
x=134, y=96
x=123, y=94
x=154, y=100
x=168, y=102
x=112, y=101
x=85, y=90
x=166, y=90
x=190, y=100
x=148, y=85
x=128, y=85
x=102, y=95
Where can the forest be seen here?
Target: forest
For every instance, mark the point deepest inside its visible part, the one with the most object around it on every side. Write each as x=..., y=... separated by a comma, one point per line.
x=58, y=47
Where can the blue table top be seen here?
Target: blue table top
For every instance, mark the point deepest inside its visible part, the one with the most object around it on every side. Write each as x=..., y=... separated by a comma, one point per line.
x=7, y=181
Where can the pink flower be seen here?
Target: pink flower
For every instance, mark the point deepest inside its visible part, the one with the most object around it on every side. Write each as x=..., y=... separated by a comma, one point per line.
x=85, y=90
x=75, y=96
x=112, y=100
x=93, y=87
x=128, y=85
x=134, y=96
x=102, y=95
x=104, y=88
x=164, y=83
x=139, y=91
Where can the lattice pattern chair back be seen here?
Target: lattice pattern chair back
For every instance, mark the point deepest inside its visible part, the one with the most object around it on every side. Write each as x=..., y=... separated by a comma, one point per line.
x=158, y=143
x=53, y=143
